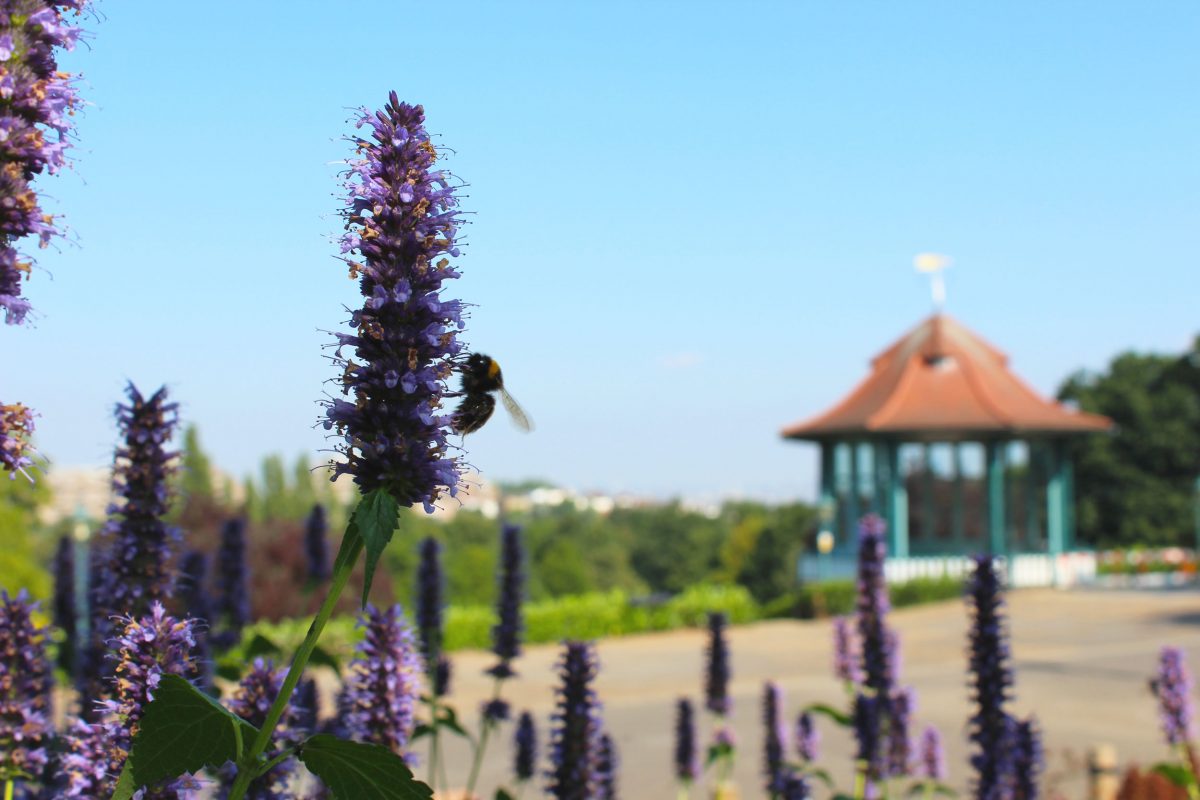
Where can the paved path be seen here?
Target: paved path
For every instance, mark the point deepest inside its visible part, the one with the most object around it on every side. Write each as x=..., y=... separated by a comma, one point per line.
x=1083, y=659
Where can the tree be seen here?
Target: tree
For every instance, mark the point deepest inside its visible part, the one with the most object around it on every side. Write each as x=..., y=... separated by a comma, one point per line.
x=1137, y=485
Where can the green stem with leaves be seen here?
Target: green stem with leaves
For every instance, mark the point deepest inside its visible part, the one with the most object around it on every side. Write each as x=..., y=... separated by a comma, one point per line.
x=485, y=727
x=249, y=767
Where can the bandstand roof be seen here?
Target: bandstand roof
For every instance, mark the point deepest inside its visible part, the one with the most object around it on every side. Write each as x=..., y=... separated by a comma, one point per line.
x=941, y=381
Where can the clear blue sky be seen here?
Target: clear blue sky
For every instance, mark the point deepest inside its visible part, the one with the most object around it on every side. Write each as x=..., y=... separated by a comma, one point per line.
x=694, y=222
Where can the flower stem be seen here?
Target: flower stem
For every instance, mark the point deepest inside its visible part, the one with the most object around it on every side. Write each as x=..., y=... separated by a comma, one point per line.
x=485, y=728
x=435, y=723
x=8, y=790
x=248, y=767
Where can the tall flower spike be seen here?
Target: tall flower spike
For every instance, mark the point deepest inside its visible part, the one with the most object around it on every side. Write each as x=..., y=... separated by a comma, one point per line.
x=717, y=672
x=25, y=685
x=1028, y=760
x=845, y=651
x=932, y=756
x=506, y=633
x=808, y=739
x=608, y=765
x=990, y=682
x=65, y=611
x=524, y=747
x=687, y=755
x=36, y=104
x=429, y=606
x=774, y=739
x=316, y=545
x=873, y=606
x=233, y=585
x=251, y=701
x=383, y=681
x=16, y=431
x=1173, y=686
x=401, y=220
x=868, y=723
x=900, y=708
x=197, y=604
x=576, y=726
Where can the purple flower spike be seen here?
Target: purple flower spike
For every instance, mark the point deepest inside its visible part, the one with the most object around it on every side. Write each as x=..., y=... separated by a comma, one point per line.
x=1173, y=686
x=717, y=674
x=990, y=682
x=607, y=766
x=251, y=701
x=37, y=102
x=687, y=756
x=775, y=738
x=401, y=221
x=430, y=605
x=868, y=724
x=16, y=435
x=932, y=756
x=25, y=686
x=383, y=682
x=506, y=634
x=900, y=708
x=795, y=787
x=808, y=739
x=525, y=747
x=65, y=611
x=873, y=606
x=233, y=584
x=845, y=651
x=1028, y=759
x=316, y=545
x=496, y=710
x=576, y=726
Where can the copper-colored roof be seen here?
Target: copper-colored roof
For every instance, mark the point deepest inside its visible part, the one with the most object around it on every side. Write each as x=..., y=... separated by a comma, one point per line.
x=940, y=380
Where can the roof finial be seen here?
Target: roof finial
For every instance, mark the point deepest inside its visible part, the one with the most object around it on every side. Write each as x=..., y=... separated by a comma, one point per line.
x=933, y=265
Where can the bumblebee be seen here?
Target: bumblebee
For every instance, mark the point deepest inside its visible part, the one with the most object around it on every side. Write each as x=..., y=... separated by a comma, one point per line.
x=481, y=377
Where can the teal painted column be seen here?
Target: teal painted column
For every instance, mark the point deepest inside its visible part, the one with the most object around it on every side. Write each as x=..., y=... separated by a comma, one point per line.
x=1068, y=500
x=928, y=507
x=853, y=512
x=994, y=484
x=881, y=486
x=1032, y=534
x=897, y=503
x=1056, y=505
x=958, y=519
x=828, y=498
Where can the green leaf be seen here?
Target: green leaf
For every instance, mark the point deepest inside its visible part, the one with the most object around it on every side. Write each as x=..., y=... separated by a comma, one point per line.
x=1177, y=774
x=448, y=718
x=261, y=646
x=230, y=671
x=840, y=717
x=502, y=794
x=323, y=658
x=717, y=751
x=820, y=774
x=183, y=730
x=420, y=730
x=375, y=519
x=354, y=770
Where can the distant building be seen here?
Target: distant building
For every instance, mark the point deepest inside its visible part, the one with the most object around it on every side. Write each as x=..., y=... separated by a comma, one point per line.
x=953, y=450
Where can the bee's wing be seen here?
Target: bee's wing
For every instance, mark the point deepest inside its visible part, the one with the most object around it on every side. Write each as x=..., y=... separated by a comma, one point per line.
x=515, y=411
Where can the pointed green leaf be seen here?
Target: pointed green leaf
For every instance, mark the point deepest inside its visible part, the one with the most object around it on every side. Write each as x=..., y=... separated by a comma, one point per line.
x=261, y=646
x=354, y=770
x=1177, y=774
x=503, y=794
x=840, y=717
x=448, y=718
x=183, y=730
x=230, y=671
x=375, y=518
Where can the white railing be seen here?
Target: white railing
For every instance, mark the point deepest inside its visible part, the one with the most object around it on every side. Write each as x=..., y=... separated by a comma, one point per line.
x=1023, y=570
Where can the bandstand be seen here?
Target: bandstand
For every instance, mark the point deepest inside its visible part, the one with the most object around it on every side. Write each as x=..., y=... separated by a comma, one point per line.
x=955, y=452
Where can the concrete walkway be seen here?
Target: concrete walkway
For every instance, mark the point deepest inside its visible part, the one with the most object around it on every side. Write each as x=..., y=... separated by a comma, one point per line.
x=1083, y=659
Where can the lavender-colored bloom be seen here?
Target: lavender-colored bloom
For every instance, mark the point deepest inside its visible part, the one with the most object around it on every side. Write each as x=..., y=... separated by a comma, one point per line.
x=316, y=544
x=808, y=739
x=495, y=710
x=795, y=787
x=1028, y=759
x=145, y=650
x=893, y=658
x=383, y=682
x=16, y=430
x=687, y=756
x=1173, y=686
x=900, y=708
x=65, y=611
x=441, y=676
x=932, y=756
x=233, y=584
x=576, y=726
x=251, y=701
x=717, y=673
x=429, y=605
x=845, y=651
x=775, y=738
x=524, y=747
x=868, y=733
x=990, y=682
x=401, y=220
x=607, y=766
x=506, y=633
x=37, y=101
x=25, y=685
x=873, y=605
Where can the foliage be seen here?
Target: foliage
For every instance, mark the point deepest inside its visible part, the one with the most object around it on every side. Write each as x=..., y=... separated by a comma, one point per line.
x=1138, y=484
x=836, y=597
x=23, y=553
